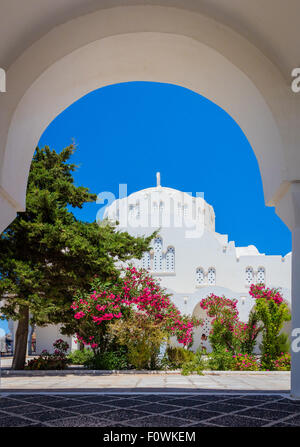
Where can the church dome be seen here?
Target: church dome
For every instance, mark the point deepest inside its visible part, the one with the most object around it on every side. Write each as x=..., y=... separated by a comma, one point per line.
x=161, y=207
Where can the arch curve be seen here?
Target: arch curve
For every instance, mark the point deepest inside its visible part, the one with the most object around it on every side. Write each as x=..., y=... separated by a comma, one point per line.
x=169, y=46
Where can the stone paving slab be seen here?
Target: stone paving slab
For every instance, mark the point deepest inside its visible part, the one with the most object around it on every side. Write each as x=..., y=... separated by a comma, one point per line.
x=148, y=410
x=270, y=382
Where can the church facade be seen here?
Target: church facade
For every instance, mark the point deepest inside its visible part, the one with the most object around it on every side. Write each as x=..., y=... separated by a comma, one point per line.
x=189, y=257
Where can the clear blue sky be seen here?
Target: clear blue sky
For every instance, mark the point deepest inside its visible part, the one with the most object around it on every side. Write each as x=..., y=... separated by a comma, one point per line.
x=3, y=325
x=127, y=132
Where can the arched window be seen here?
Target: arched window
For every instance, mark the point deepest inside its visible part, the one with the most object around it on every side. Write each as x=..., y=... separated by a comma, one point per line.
x=185, y=210
x=157, y=260
x=170, y=260
x=211, y=276
x=161, y=207
x=249, y=275
x=146, y=261
x=131, y=209
x=199, y=276
x=154, y=207
x=261, y=275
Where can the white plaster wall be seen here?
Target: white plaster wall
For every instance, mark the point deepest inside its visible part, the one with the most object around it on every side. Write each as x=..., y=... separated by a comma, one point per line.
x=205, y=252
x=46, y=336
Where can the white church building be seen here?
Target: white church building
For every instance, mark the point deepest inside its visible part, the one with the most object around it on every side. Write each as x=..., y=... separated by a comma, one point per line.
x=189, y=257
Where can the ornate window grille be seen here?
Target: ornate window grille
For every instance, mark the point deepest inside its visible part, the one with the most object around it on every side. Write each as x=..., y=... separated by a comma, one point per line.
x=157, y=259
x=170, y=260
x=261, y=275
x=211, y=276
x=199, y=276
x=146, y=261
x=249, y=275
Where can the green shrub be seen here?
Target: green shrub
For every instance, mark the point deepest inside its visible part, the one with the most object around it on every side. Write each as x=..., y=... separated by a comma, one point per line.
x=108, y=360
x=80, y=357
x=220, y=359
x=195, y=365
x=142, y=338
x=175, y=357
x=283, y=343
x=140, y=354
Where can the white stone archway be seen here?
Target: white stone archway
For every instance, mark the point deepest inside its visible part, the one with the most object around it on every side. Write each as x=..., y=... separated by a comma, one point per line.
x=148, y=57
x=166, y=45
x=163, y=44
x=203, y=329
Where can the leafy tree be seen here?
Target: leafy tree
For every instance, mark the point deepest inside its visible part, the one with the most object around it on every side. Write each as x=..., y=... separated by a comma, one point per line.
x=47, y=254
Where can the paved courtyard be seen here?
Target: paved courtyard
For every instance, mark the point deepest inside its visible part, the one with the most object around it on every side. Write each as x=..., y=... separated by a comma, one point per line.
x=148, y=410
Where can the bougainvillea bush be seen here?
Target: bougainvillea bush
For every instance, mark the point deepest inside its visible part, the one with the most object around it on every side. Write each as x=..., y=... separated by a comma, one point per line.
x=273, y=312
x=268, y=316
x=283, y=362
x=227, y=330
x=136, y=297
x=56, y=360
x=224, y=316
x=245, y=362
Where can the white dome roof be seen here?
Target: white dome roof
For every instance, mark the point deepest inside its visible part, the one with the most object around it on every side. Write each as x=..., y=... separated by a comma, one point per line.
x=164, y=203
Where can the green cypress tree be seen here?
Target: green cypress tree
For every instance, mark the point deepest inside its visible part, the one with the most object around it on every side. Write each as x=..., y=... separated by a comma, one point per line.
x=47, y=254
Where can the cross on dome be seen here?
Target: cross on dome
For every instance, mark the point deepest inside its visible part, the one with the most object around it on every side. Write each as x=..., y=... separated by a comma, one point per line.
x=158, y=179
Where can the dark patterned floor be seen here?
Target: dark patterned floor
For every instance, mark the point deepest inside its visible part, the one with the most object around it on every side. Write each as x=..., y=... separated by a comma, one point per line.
x=148, y=410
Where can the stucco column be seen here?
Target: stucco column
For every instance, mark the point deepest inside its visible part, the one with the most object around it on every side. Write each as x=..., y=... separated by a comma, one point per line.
x=295, y=336
x=7, y=211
